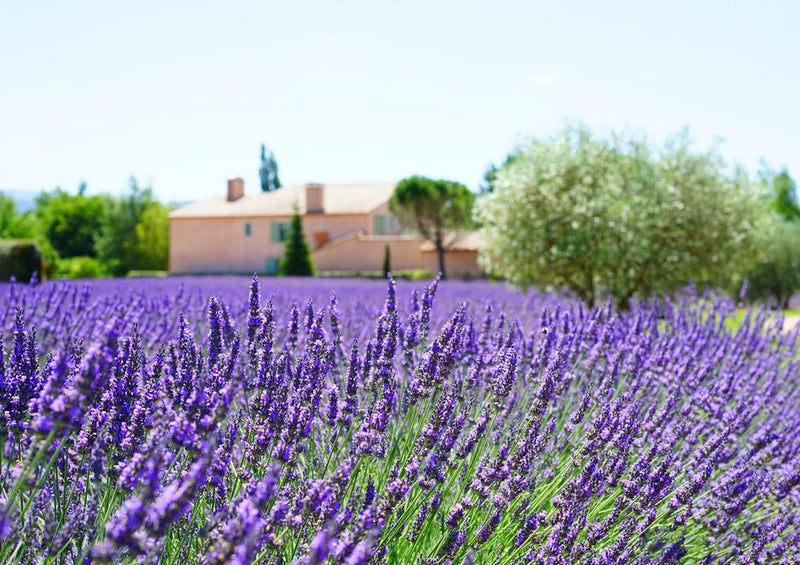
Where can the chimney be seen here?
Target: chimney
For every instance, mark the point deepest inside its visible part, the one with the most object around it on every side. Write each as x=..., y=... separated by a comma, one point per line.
x=235, y=189
x=314, y=198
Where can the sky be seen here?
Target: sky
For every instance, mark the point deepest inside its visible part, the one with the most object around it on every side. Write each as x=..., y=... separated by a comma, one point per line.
x=182, y=93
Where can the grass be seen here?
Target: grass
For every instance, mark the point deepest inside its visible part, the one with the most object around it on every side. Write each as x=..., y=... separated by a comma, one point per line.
x=734, y=322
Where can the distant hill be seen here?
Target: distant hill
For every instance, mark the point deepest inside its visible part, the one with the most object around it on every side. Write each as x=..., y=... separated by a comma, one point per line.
x=24, y=199
x=172, y=205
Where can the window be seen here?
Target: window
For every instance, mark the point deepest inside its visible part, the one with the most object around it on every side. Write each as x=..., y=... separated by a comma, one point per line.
x=381, y=224
x=280, y=231
x=385, y=224
x=272, y=266
x=248, y=229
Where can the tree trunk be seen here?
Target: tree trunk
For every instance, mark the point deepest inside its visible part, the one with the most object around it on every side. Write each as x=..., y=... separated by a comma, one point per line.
x=440, y=253
x=589, y=294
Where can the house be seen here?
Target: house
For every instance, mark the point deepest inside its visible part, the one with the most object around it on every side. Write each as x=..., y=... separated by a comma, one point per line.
x=348, y=227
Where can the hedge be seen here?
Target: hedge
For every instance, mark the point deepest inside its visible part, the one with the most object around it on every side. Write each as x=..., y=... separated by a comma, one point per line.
x=20, y=259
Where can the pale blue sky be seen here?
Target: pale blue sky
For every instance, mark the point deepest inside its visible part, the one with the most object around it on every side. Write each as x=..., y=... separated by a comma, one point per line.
x=182, y=93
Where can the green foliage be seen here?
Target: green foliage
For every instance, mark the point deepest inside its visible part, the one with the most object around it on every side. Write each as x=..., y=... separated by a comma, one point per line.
x=152, y=238
x=413, y=275
x=80, y=268
x=618, y=217
x=50, y=256
x=19, y=259
x=122, y=233
x=432, y=206
x=777, y=277
x=387, y=260
x=490, y=174
x=71, y=223
x=784, y=195
x=147, y=274
x=27, y=226
x=296, y=260
x=134, y=233
x=14, y=225
x=268, y=172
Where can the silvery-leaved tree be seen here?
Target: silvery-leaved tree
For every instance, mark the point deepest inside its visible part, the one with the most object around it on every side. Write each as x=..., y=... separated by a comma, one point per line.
x=618, y=217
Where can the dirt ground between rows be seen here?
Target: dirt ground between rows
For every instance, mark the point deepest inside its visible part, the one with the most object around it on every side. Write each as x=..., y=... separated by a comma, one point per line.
x=790, y=322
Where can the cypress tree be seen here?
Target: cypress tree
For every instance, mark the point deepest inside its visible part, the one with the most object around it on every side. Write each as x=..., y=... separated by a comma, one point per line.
x=296, y=260
x=387, y=261
x=268, y=172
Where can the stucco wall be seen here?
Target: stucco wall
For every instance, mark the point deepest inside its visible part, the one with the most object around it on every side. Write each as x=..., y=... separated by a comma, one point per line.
x=457, y=263
x=366, y=254
x=218, y=245
x=337, y=225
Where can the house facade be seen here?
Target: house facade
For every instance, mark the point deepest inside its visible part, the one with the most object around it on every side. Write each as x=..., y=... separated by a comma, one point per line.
x=347, y=226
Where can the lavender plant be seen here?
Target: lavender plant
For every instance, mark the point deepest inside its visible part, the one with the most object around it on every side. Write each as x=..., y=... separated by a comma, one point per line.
x=192, y=421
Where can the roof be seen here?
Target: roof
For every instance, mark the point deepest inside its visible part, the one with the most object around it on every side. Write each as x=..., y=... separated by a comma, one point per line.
x=361, y=236
x=457, y=241
x=453, y=241
x=337, y=198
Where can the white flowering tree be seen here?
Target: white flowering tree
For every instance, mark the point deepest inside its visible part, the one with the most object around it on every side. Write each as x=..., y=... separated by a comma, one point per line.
x=618, y=217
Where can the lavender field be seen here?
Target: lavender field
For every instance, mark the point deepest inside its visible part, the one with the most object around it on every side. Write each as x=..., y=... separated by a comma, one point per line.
x=223, y=420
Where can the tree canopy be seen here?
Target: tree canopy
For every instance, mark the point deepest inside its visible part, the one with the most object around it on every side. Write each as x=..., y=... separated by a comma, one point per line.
x=71, y=222
x=490, y=174
x=784, y=195
x=134, y=233
x=432, y=206
x=776, y=277
x=14, y=225
x=618, y=217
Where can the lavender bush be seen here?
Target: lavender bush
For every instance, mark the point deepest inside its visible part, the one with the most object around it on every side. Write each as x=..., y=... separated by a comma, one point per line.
x=183, y=421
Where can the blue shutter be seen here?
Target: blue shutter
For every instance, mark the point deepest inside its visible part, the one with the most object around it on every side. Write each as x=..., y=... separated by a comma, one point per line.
x=276, y=232
x=272, y=266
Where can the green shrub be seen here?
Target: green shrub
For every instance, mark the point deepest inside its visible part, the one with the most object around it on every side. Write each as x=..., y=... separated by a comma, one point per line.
x=70, y=222
x=777, y=278
x=350, y=274
x=50, y=258
x=19, y=259
x=414, y=275
x=80, y=268
x=143, y=273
